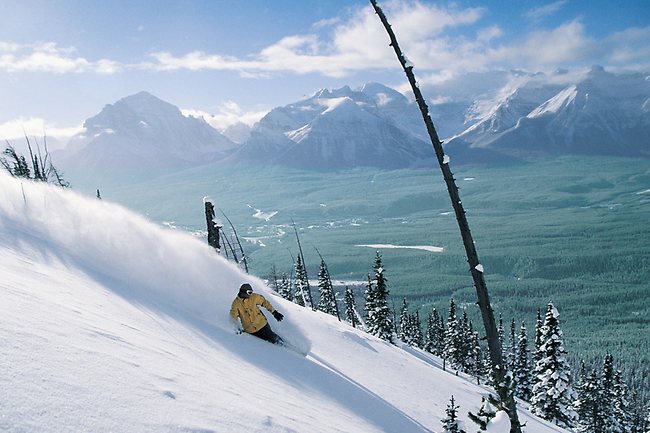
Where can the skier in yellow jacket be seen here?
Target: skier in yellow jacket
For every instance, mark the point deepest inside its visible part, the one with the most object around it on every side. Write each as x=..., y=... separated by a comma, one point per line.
x=246, y=308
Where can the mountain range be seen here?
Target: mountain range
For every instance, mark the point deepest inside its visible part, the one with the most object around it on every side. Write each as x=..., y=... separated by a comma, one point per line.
x=509, y=115
x=599, y=114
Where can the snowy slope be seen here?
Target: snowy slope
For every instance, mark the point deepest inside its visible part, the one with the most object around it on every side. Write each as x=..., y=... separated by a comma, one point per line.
x=109, y=322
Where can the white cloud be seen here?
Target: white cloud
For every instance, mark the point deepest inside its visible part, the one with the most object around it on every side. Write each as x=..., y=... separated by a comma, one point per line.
x=8, y=46
x=227, y=114
x=536, y=14
x=356, y=43
x=548, y=49
x=49, y=57
x=16, y=129
x=438, y=40
x=194, y=61
x=627, y=48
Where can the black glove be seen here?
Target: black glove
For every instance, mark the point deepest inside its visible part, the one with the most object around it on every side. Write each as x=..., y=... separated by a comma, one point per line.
x=278, y=316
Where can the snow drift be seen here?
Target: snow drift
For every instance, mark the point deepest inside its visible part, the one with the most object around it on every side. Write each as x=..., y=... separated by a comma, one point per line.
x=109, y=322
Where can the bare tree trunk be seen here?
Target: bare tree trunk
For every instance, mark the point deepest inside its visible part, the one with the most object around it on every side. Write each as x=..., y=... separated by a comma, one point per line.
x=302, y=257
x=241, y=249
x=476, y=269
x=213, y=227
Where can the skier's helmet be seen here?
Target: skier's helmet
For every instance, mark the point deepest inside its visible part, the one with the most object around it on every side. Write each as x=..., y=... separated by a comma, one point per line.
x=245, y=290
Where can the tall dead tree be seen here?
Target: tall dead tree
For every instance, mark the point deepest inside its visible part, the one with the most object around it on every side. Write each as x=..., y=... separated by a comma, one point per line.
x=243, y=261
x=213, y=226
x=302, y=257
x=475, y=267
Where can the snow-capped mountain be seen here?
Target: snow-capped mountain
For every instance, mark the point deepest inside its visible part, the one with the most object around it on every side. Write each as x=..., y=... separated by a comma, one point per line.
x=599, y=113
x=109, y=322
x=488, y=117
x=373, y=126
x=142, y=129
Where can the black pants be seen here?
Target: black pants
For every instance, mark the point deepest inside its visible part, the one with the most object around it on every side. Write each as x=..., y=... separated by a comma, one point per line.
x=266, y=333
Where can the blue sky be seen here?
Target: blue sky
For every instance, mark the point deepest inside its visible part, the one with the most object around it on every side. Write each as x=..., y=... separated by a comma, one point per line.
x=61, y=61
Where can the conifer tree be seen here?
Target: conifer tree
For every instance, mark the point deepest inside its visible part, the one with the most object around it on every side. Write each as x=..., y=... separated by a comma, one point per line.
x=350, y=307
x=500, y=332
x=300, y=295
x=538, y=337
x=607, y=397
x=485, y=413
x=587, y=405
x=521, y=369
x=430, y=334
x=435, y=334
x=476, y=366
x=450, y=423
x=511, y=348
x=404, y=331
x=327, y=301
x=416, y=329
x=553, y=394
x=17, y=165
x=284, y=287
x=41, y=167
x=452, y=352
x=378, y=315
x=622, y=407
x=637, y=415
x=465, y=343
x=440, y=331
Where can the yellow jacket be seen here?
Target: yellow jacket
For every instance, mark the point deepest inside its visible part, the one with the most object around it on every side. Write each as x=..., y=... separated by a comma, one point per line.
x=248, y=311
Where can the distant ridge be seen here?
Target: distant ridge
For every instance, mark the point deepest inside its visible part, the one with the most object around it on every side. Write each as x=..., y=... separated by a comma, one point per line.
x=600, y=113
x=508, y=116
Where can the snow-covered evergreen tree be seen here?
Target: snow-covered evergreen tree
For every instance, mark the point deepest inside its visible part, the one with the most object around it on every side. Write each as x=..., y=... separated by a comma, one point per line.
x=501, y=333
x=378, y=315
x=638, y=415
x=435, y=335
x=450, y=422
x=510, y=351
x=284, y=287
x=485, y=413
x=430, y=334
x=477, y=363
x=521, y=369
x=327, y=301
x=300, y=295
x=351, y=312
x=622, y=407
x=553, y=396
x=610, y=421
x=539, y=324
x=452, y=352
x=404, y=331
x=587, y=405
x=416, y=329
x=465, y=343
